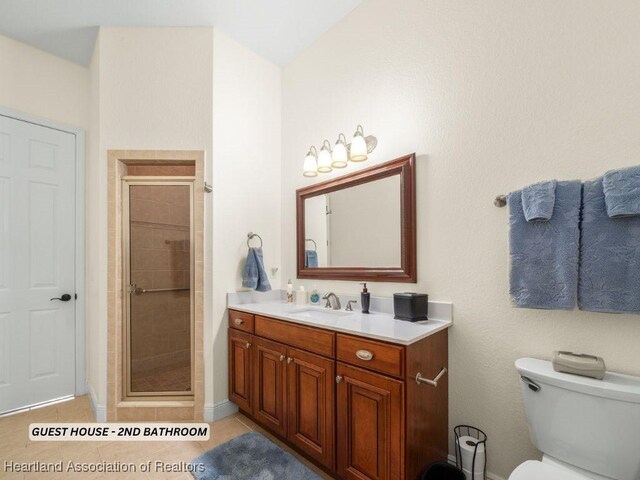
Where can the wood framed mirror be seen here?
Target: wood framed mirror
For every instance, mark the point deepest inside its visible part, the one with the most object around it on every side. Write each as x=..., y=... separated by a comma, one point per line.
x=361, y=226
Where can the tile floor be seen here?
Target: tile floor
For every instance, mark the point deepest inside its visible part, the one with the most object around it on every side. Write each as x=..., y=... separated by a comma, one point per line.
x=167, y=379
x=16, y=446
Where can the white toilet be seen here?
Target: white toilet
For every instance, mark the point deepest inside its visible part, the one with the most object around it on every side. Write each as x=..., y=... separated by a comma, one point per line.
x=586, y=428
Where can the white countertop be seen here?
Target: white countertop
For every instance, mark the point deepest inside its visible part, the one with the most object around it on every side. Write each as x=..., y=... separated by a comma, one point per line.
x=381, y=326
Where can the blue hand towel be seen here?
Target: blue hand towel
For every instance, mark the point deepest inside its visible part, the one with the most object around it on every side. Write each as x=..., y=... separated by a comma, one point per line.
x=538, y=201
x=312, y=258
x=544, y=255
x=254, y=275
x=622, y=191
x=609, y=256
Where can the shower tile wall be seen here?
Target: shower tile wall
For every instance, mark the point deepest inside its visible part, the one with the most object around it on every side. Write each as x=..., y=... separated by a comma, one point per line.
x=160, y=258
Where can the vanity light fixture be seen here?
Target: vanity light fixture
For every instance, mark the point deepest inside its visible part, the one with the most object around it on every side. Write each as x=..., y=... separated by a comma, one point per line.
x=339, y=156
x=324, y=158
x=358, y=148
x=325, y=161
x=310, y=168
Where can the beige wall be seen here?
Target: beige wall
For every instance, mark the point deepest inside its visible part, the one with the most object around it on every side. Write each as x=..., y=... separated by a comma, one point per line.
x=246, y=185
x=492, y=96
x=151, y=89
x=179, y=88
x=42, y=84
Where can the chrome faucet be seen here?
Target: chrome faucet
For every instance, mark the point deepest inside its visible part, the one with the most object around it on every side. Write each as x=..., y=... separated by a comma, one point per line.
x=332, y=301
x=349, y=307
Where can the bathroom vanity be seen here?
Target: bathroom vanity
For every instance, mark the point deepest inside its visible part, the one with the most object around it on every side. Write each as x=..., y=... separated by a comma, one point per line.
x=342, y=388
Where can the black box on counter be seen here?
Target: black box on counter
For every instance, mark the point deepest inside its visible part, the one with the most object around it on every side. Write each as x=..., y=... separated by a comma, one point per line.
x=411, y=307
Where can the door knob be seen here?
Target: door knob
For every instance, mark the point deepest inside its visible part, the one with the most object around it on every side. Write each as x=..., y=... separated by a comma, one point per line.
x=64, y=298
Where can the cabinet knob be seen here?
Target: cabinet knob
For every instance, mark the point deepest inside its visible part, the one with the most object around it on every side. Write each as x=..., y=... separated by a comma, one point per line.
x=289, y=360
x=238, y=321
x=248, y=345
x=365, y=355
x=338, y=378
x=281, y=357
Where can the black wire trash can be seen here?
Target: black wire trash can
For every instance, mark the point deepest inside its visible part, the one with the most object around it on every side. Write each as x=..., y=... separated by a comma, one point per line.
x=471, y=452
x=442, y=471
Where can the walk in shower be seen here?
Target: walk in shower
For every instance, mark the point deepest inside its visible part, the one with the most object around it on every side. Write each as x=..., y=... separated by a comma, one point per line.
x=158, y=270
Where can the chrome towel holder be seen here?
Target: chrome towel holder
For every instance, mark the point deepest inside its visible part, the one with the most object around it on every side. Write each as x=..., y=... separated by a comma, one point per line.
x=500, y=201
x=250, y=235
x=315, y=245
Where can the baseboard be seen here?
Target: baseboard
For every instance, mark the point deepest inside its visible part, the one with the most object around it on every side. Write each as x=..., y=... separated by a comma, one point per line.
x=100, y=411
x=219, y=410
x=490, y=476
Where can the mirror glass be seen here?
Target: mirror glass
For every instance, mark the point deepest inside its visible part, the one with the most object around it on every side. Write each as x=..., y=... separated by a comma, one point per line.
x=357, y=226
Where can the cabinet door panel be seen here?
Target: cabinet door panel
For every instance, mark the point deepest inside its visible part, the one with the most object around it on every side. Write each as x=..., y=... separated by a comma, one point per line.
x=270, y=385
x=311, y=405
x=370, y=414
x=240, y=367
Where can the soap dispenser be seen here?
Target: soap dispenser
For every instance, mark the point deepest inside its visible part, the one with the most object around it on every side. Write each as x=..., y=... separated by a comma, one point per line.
x=289, y=292
x=365, y=297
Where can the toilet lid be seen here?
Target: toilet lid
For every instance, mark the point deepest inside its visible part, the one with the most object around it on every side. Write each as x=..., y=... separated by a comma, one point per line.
x=533, y=470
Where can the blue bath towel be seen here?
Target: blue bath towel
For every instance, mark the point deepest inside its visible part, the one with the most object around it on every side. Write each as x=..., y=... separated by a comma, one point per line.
x=311, y=257
x=622, y=191
x=254, y=275
x=544, y=255
x=538, y=201
x=609, y=256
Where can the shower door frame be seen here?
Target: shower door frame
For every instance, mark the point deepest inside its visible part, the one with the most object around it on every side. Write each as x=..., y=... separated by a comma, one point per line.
x=129, y=181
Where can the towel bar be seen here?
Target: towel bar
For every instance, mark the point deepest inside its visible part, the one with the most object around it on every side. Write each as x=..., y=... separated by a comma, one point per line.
x=500, y=201
x=250, y=235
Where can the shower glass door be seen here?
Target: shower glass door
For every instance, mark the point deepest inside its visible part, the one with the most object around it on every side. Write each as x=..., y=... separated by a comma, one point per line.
x=158, y=265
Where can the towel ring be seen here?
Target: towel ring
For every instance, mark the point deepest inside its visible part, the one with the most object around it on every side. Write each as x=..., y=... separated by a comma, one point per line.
x=250, y=235
x=315, y=245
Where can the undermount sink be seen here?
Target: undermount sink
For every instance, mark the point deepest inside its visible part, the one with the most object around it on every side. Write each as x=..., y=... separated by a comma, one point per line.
x=318, y=313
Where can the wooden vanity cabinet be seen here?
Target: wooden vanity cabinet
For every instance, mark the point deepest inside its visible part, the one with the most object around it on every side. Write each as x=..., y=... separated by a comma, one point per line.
x=270, y=385
x=370, y=438
x=240, y=369
x=311, y=405
x=350, y=404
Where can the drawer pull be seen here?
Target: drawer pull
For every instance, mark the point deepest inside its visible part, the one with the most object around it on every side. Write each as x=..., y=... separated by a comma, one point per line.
x=289, y=360
x=365, y=355
x=281, y=357
x=248, y=345
x=338, y=378
x=434, y=383
x=238, y=321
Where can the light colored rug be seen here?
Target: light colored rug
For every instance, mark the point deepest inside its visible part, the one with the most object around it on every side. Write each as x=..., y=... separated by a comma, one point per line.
x=250, y=457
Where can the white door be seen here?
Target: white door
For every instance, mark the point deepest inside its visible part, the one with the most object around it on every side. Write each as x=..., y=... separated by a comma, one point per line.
x=37, y=263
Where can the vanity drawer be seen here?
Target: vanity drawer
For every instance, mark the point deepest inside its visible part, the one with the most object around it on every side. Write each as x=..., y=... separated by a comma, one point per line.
x=241, y=321
x=378, y=356
x=311, y=339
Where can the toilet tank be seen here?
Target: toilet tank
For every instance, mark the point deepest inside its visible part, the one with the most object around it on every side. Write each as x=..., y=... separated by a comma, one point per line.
x=590, y=424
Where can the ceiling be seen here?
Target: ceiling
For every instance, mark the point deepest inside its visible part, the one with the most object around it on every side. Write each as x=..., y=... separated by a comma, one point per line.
x=275, y=29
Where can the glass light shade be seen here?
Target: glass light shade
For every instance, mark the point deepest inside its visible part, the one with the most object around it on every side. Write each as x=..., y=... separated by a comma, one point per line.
x=339, y=155
x=310, y=168
x=324, y=160
x=358, y=148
